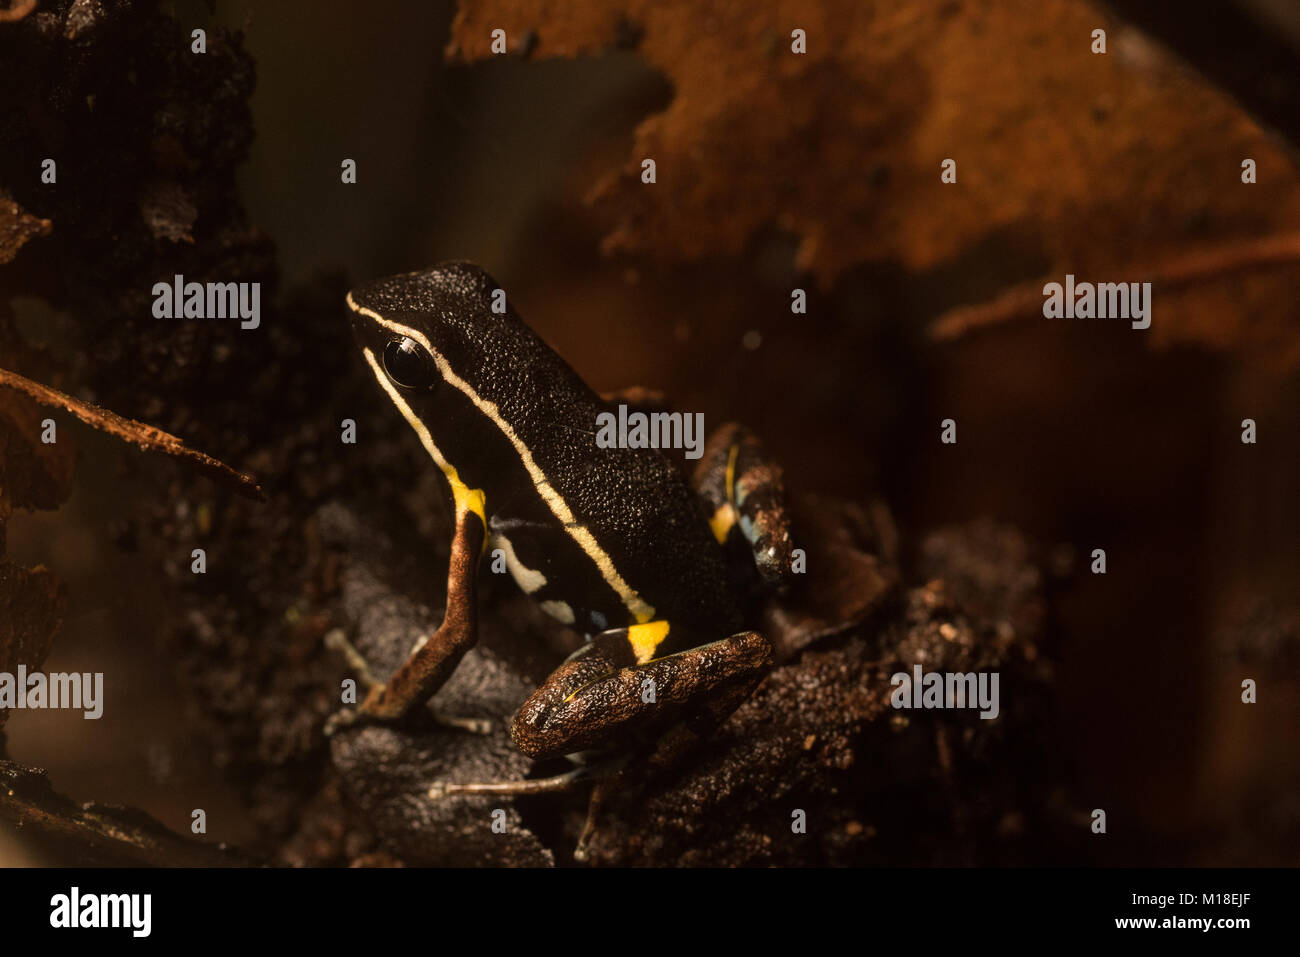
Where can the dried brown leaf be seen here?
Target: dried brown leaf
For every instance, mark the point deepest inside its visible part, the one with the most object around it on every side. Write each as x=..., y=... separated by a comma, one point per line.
x=1088, y=162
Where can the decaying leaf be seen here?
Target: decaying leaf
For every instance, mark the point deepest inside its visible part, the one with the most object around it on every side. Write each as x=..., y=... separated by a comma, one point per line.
x=1092, y=163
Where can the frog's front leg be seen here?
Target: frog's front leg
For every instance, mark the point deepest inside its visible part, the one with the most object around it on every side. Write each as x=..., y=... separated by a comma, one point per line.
x=432, y=662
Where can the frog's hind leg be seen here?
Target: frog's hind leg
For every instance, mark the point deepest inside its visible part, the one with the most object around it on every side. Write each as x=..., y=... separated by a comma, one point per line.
x=745, y=494
x=604, y=654
x=619, y=691
x=613, y=693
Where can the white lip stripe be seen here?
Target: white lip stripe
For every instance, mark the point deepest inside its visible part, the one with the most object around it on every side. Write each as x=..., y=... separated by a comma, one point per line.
x=407, y=412
x=641, y=611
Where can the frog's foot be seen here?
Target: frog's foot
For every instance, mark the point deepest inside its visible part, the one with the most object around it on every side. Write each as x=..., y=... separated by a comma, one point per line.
x=606, y=776
x=552, y=785
x=352, y=717
x=343, y=718
x=471, y=725
x=337, y=642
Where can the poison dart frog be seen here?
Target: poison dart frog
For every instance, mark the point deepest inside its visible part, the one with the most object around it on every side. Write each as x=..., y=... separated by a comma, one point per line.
x=656, y=568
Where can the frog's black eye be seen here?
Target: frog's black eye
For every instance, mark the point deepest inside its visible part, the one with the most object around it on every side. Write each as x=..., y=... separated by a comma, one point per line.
x=409, y=364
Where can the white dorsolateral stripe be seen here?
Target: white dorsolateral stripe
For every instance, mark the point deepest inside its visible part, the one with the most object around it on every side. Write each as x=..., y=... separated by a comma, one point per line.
x=580, y=533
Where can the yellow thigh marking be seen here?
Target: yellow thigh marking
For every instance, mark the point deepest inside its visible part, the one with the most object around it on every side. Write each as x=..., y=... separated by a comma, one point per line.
x=467, y=499
x=645, y=639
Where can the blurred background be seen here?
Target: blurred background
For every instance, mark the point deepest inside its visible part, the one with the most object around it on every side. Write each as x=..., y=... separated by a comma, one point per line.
x=775, y=171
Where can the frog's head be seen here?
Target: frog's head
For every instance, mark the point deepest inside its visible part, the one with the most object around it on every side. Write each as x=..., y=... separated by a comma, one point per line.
x=460, y=365
x=411, y=324
x=422, y=334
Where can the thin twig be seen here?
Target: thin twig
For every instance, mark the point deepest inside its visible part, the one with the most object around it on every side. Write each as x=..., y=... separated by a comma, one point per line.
x=138, y=433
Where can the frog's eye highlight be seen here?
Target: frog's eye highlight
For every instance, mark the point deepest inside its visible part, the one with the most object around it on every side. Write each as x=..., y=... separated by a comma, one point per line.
x=409, y=364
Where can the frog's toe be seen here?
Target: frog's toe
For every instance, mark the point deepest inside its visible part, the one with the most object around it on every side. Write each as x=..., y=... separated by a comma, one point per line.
x=337, y=642
x=472, y=725
x=344, y=718
x=551, y=785
x=477, y=725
